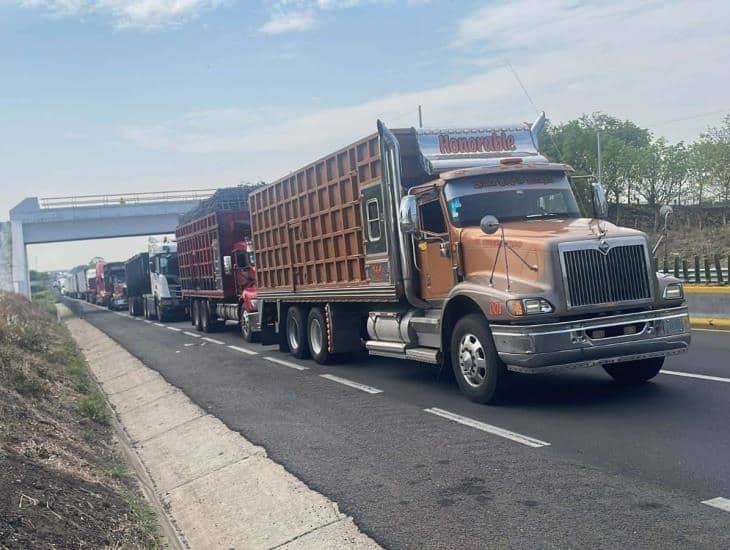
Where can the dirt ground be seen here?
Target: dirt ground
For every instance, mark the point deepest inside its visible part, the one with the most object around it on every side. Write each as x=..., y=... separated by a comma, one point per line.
x=62, y=481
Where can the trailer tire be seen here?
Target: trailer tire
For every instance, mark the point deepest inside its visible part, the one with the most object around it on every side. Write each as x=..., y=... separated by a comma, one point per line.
x=317, y=336
x=635, y=372
x=480, y=373
x=296, y=332
x=196, y=315
x=207, y=324
x=161, y=316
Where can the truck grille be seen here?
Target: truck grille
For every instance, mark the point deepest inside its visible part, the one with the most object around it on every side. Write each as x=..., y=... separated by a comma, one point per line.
x=593, y=277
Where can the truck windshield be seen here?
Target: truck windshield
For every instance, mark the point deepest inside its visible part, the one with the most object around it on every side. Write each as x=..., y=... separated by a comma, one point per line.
x=510, y=196
x=168, y=264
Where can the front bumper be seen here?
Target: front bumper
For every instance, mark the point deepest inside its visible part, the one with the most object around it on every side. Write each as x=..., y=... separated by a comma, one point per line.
x=172, y=304
x=595, y=341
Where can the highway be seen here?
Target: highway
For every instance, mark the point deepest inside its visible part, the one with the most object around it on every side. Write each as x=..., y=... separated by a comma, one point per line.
x=570, y=460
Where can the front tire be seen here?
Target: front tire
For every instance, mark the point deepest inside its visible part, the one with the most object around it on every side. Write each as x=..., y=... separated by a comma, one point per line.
x=635, y=372
x=480, y=373
x=246, y=331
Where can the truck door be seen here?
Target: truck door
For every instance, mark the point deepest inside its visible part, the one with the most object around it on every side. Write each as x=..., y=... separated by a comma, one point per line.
x=433, y=250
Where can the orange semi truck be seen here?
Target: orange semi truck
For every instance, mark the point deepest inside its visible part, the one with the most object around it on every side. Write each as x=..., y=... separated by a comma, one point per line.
x=461, y=247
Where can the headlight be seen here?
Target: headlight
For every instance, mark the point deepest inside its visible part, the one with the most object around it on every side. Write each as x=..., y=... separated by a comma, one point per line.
x=529, y=306
x=673, y=291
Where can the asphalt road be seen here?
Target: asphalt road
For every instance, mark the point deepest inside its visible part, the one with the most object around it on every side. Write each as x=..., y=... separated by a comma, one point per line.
x=584, y=462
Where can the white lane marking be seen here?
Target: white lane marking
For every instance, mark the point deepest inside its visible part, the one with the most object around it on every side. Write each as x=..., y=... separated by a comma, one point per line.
x=148, y=322
x=494, y=430
x=175, y=329
x=286, y=363
x=137, y=318
x=191, y=334
x=356, y=385
x=213, y=341
x=160, y=325
x=699, y=376
x=719, y=502
x=244, y=350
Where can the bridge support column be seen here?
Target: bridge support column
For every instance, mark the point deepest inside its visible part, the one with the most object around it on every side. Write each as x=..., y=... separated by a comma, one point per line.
x=19, y=260
x=6, y=258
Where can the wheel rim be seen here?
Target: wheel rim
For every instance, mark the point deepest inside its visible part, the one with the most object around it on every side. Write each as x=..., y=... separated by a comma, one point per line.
x=472, y=360
x=315, y=336
x=292, y=331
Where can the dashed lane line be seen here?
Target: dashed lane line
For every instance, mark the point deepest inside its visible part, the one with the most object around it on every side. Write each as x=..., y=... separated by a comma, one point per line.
x=286, y=363
x=148, y=322
x=719, y=502
x=160, y=325
x=213, y=341
x=244, y=350
x=350, y=383
x=175, y=329
x=494, y=430
x=191, y=334
x=698, y=376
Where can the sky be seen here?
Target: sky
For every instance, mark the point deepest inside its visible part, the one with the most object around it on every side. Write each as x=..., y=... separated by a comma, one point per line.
x=112, y=96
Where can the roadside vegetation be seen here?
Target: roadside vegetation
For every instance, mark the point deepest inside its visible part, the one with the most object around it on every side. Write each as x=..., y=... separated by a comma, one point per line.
x=63, y=485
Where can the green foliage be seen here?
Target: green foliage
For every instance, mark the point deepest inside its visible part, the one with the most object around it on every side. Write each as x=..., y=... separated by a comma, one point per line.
x=637, y=168
x=146, y=518
x=93, y=406
x=46, y=299
x=29, y=386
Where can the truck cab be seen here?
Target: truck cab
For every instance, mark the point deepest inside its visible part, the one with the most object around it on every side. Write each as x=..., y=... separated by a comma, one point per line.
x=165, y=299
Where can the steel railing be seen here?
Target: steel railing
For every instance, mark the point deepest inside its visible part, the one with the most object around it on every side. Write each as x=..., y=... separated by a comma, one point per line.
x=125, y=198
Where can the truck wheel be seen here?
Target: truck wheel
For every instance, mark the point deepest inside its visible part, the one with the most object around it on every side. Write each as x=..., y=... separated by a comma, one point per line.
x=161, y=317
x=145, y=313
x=635, y=372
x=296, y=332
x=246, y=331
x=197, y=315
x=317, y=332
x=480, y=373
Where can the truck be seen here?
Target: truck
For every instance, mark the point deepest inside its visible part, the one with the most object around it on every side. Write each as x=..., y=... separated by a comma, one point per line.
x=217, y=264
x=137, y=272
x=111, y=287
x=463, y=248
x=163, y=301
x=90, y=285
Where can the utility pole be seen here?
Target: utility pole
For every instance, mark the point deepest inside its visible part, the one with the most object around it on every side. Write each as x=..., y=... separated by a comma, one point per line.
x=420, y=117
x=600, y=167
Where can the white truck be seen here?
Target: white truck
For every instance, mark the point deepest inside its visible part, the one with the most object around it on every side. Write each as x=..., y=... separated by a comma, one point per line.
x=165, y=300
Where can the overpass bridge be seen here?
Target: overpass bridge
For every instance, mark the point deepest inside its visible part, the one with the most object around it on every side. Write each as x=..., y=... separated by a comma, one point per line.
x=60, y=219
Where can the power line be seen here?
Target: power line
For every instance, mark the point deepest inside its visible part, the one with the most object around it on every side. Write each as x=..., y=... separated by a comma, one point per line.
x=690, y=117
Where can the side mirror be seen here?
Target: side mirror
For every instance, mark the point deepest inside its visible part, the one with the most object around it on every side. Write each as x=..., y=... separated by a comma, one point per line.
x=227, y=265
x=600, y=204
x=489, y=224
x=666, y=212
x=408, y=217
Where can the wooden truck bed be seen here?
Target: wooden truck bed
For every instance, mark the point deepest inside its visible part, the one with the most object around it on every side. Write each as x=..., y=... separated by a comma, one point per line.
x=307, y=227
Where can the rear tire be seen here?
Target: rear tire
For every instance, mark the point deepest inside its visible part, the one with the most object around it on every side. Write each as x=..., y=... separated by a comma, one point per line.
x=204, y=313
x=317, y=336
x=161, y=316
x=196, y=316
x=479, y=371
x=635, y=372
x=296, y=332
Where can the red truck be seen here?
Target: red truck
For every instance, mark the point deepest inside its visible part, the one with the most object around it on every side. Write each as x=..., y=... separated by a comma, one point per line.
x=216, y=262
x=111, y=285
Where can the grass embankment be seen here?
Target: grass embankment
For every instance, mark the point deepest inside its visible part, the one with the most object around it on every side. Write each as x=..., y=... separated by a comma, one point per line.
x=63, y=485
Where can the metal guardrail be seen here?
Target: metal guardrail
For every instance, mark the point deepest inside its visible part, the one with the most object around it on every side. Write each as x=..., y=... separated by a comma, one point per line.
x=125, y=198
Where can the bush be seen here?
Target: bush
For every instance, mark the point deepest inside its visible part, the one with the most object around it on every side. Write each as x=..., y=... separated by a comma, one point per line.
x=93, y=406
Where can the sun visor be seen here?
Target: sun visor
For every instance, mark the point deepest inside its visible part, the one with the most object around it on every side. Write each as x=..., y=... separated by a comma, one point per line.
x=453, y=148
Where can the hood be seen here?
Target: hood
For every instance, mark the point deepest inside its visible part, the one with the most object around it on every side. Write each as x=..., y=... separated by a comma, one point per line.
x=533, y=241
x=540, y=233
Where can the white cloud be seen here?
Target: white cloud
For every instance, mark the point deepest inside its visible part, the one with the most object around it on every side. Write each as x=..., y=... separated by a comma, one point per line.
x=288, y=22
x=142, y=14
x=303, y=15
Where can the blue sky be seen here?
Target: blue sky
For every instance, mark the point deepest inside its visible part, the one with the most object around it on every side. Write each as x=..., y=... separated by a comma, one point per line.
x=130, y=95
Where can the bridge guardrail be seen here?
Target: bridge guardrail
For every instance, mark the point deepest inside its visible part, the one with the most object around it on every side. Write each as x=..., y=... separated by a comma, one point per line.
x=124, y=198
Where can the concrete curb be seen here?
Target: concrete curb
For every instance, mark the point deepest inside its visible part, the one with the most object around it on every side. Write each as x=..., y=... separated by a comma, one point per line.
x=218, y=489
x=705, y=289
x=709, y=323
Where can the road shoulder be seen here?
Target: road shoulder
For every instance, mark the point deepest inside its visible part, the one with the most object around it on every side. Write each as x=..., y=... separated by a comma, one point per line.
x=217, y=488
